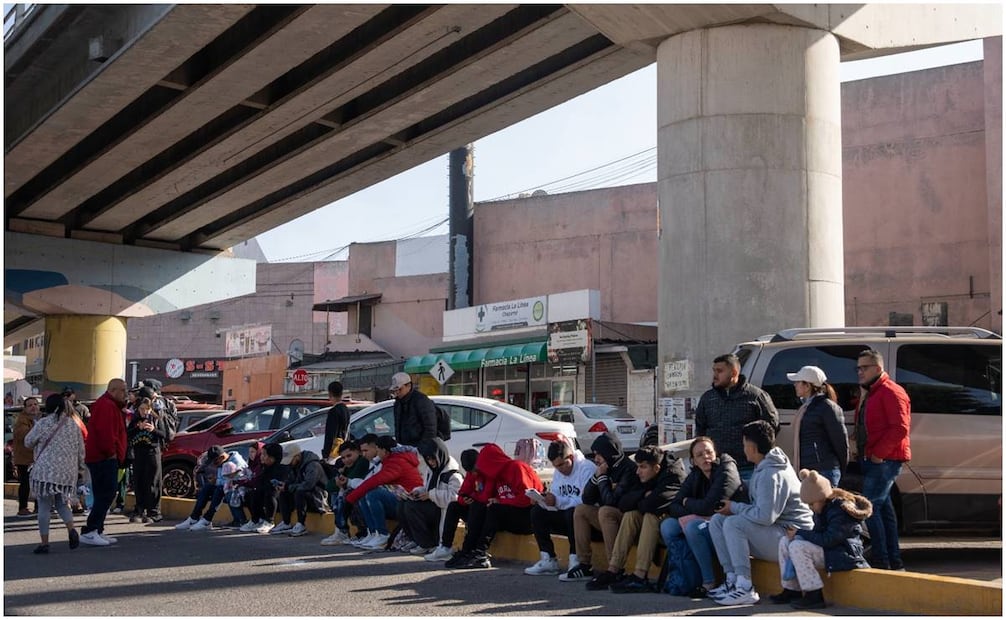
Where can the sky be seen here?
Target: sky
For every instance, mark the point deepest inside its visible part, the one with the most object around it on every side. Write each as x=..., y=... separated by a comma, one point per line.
x=613, y=123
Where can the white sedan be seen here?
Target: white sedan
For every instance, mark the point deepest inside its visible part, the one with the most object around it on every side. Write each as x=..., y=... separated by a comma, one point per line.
x=592, y=420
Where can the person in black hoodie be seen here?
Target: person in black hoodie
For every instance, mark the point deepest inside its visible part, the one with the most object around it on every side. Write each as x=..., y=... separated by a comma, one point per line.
x=614, y=477
x=713, y=478
x=336, y=422
x=660, y=476
x=263, y=498
x=303, y=490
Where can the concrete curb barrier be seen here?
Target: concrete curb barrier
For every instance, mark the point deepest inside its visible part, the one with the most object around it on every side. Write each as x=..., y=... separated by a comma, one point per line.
x=881, y=590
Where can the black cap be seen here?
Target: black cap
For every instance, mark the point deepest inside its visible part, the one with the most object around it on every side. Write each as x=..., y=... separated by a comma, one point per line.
x=214, y=453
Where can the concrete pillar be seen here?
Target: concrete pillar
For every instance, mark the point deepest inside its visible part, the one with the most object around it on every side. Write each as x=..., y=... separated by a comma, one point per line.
x=750, y=190
x=84, y=351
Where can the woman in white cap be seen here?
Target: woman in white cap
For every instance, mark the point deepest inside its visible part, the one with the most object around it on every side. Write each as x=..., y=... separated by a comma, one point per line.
x=824, y=444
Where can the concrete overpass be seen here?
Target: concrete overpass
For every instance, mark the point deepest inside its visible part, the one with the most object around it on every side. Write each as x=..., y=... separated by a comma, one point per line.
x=195, y=127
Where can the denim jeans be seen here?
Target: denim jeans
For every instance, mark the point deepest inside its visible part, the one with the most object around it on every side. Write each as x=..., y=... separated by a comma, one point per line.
x=883, y=523
x=834, y=476
x=699, y=541
x=339, y=507
x=104, y=480
x=375, y=506
x=212, y=493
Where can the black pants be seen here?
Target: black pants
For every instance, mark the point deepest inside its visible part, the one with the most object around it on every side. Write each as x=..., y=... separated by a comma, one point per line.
x=104, y=478
x=302, y=502
x=455, y=511
x=421, y=522
x=262, y=502
x=146, y=478
x=544, y=523
x=484, y=520
x=22, y=487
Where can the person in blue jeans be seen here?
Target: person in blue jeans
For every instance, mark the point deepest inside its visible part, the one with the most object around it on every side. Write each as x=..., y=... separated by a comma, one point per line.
x=211, y=490
x=712, y=479
x=399, y=470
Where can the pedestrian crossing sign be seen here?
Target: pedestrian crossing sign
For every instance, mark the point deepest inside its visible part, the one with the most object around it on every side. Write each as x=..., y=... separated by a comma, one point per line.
x=441, y=371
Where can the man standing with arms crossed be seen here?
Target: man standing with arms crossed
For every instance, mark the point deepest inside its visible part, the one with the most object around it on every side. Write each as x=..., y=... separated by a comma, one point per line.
x=883, y=421
x=105, y=449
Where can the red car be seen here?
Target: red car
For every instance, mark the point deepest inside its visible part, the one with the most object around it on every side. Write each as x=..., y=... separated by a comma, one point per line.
x=255, y=421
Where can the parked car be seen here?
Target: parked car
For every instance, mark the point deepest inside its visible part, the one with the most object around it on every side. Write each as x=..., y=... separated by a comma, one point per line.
x=196, y=421
x=254, y=421
x=591, y=420
x=184, y=403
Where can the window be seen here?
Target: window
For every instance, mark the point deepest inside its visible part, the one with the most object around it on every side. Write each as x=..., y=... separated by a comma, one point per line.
x=253, y=420
x=837, y=361
x=599, y=412
x=309, y=426
x=290, y=413
x=558, y=414
x=467, y=419
x=379, y=422
x=952, y=378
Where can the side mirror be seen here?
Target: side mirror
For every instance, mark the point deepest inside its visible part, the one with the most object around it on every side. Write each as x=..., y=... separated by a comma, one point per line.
x=224, y=429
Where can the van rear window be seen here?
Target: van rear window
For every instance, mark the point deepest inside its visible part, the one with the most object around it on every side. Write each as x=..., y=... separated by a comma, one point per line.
x=952, y=378
x=837, y=361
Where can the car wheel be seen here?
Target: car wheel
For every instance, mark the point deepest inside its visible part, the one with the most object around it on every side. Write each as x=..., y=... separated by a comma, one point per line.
x=178, y=480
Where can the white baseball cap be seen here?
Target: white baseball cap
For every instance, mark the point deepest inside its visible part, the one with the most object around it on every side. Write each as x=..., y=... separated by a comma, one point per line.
x=811, y=374
x=399, y=379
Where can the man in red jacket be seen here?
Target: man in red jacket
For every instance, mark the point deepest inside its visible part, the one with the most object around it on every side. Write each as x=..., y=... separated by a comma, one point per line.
x=104, y=450
x=507, y=508
x=399, y=470
x=883, y=421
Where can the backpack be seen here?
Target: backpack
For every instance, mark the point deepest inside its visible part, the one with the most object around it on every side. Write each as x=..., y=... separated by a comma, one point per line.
x=681, y=569
x=443, y=423
x=166, y=409
x=530, y=450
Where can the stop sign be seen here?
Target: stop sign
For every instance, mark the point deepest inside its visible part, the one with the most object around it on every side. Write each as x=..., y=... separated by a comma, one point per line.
x=300, y=377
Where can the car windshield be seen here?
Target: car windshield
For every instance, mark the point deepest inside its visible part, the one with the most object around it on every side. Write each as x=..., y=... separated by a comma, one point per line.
x=303, y=428
x=597, y=412
x=206, y=422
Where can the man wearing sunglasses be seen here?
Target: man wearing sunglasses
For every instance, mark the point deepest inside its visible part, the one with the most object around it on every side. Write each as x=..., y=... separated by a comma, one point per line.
x=883, y=421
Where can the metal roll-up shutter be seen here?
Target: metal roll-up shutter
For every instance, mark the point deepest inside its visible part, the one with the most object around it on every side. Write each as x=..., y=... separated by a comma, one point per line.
x=612, y=380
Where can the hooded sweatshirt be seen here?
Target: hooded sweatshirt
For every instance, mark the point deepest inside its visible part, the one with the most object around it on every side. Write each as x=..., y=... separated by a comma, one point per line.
x=400, y=467
x=621, y=478
x=838, y=530
x=704, y=493
x=774, y=492
x=239, y=462
x=655, y=496
x=507, y=478
x=568, y=490
x=444, y=480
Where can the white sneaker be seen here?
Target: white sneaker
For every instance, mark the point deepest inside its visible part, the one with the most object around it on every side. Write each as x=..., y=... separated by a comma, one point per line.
x=366, y=540
x=721, y=590
x=110, y=539
x=201, y=525
x=298, y=530
x=281, y=527
x=420, y=551
x=338, y=538
x=186, y=524
x=547, y=565
x=93, y=538
x=378, y=542
x=573, y=561
x=439, y=554
x=737, y=596
x=265, y=527
x=250, y=526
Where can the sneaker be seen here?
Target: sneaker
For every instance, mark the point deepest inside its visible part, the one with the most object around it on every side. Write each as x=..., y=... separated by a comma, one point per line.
x=24, y=512
x=580, y=572
x=409, y=547
x=439, y=554
x=265, y=527
x=133, y=517
x=547, y=565
x=786, y=596
x=144, y=519
x=234, y=525
x=250, y=526
x=898, y=565
x=110, y=539
x=201, y=525
x=476, y=560
x=377, y=543
x=632, y=585
x=298, y=530
x=337, y=538
x=41, y=549
x=280, y=528
x=362, y=542
x=720, y=590
x=603, y=580
x=186, y=524
x=421, y=550
x=457, y=559
x=698, y=593
x=156, y=517
x=737, y=596
x=93, y=538
x=117, y=510
x=74, y=539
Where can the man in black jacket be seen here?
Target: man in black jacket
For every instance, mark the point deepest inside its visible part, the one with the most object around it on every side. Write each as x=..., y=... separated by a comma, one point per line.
x=415, y=413
x=660, y=476
x=614, y=477
x=336, y=422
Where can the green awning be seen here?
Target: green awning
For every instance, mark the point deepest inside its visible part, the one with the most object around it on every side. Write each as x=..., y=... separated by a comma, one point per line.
x=472, y=359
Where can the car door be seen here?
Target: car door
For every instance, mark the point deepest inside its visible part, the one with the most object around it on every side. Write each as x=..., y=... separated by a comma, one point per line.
x=471, y=427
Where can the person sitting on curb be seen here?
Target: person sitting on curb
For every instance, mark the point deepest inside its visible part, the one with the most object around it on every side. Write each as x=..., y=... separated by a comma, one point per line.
x=350, y=469
x=473, y=489
x=660, y=475
x=508, y=507
x=572, y=471
x=740, y=530
x=264, y=495
x=835, y=543
x=303, y=490
x=250, y=483
x=614, y=477
x=211, y=490
x=422, y=517
x=713, y=478
x=399, y=468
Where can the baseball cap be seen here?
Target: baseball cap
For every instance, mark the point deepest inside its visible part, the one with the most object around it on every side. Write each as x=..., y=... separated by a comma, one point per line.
x=290, y=451
x=399, y=379
x=811, y=374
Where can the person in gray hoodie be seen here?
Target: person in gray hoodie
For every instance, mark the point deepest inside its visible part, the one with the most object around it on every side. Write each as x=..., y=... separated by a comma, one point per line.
x=740, y=530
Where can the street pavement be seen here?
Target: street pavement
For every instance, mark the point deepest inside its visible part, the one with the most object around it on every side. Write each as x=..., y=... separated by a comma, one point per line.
x=155, y=570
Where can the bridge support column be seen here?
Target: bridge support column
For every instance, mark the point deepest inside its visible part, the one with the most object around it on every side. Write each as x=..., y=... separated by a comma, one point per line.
x=750, y=190
x=84, y=351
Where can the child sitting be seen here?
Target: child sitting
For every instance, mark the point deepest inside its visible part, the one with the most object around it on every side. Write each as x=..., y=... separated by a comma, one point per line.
x=473, y=488
x=232, y=475
x=834, y=544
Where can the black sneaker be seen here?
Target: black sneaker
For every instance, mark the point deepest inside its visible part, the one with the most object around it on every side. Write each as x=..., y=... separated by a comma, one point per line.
x=603, y=580
x=698, y=593
x=786, y=596
x=156, y=517
x=898, y=565
x=74, y=539
x=456, y=560
x=580, y=572
x=41, y=549
x=631, y=585
x=476, y=560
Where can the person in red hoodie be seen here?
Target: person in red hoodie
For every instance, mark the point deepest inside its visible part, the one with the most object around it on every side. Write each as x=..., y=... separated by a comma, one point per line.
x=378, y=495
x=507, y=508
x=104, y=450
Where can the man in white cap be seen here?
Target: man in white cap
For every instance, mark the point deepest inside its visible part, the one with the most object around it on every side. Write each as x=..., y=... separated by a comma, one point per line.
x=415, y=413
x=820, y=425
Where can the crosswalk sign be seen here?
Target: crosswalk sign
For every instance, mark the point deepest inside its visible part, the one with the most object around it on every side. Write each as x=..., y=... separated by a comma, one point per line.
x=441, y=371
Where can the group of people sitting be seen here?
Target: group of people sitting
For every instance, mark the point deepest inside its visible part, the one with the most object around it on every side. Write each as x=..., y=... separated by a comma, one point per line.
x=639, y=500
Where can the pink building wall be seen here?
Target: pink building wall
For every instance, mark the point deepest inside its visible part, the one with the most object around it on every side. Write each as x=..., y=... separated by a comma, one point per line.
x=602, y=239
x=994, y=167
x=331, y=281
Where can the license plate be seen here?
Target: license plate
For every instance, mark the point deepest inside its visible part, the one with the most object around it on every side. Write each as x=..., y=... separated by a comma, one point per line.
x=626, y=429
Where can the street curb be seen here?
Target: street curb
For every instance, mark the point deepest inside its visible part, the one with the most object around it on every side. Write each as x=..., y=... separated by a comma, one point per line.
x=871, y=589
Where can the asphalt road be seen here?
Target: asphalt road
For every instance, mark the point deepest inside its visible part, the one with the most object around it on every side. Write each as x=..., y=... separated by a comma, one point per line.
x=155, y=570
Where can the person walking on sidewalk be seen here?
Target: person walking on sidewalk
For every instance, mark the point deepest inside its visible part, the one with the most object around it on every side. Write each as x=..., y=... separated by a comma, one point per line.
x=105, y=450
x=59, y=458
x=22, y=456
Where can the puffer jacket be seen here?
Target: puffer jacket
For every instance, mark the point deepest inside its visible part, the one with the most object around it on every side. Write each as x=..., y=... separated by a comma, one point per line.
x=824, y=445
x=704, y=493
x=607, y=489
x=415, y=418
x=400, y=467
x=655, y=496
x=507, y=478
x=722, y=413
x=838, y=530
x=308, y=478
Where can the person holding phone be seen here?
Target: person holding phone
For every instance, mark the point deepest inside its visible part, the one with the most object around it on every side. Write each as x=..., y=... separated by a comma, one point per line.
x=422, y=517
x=473, y=488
